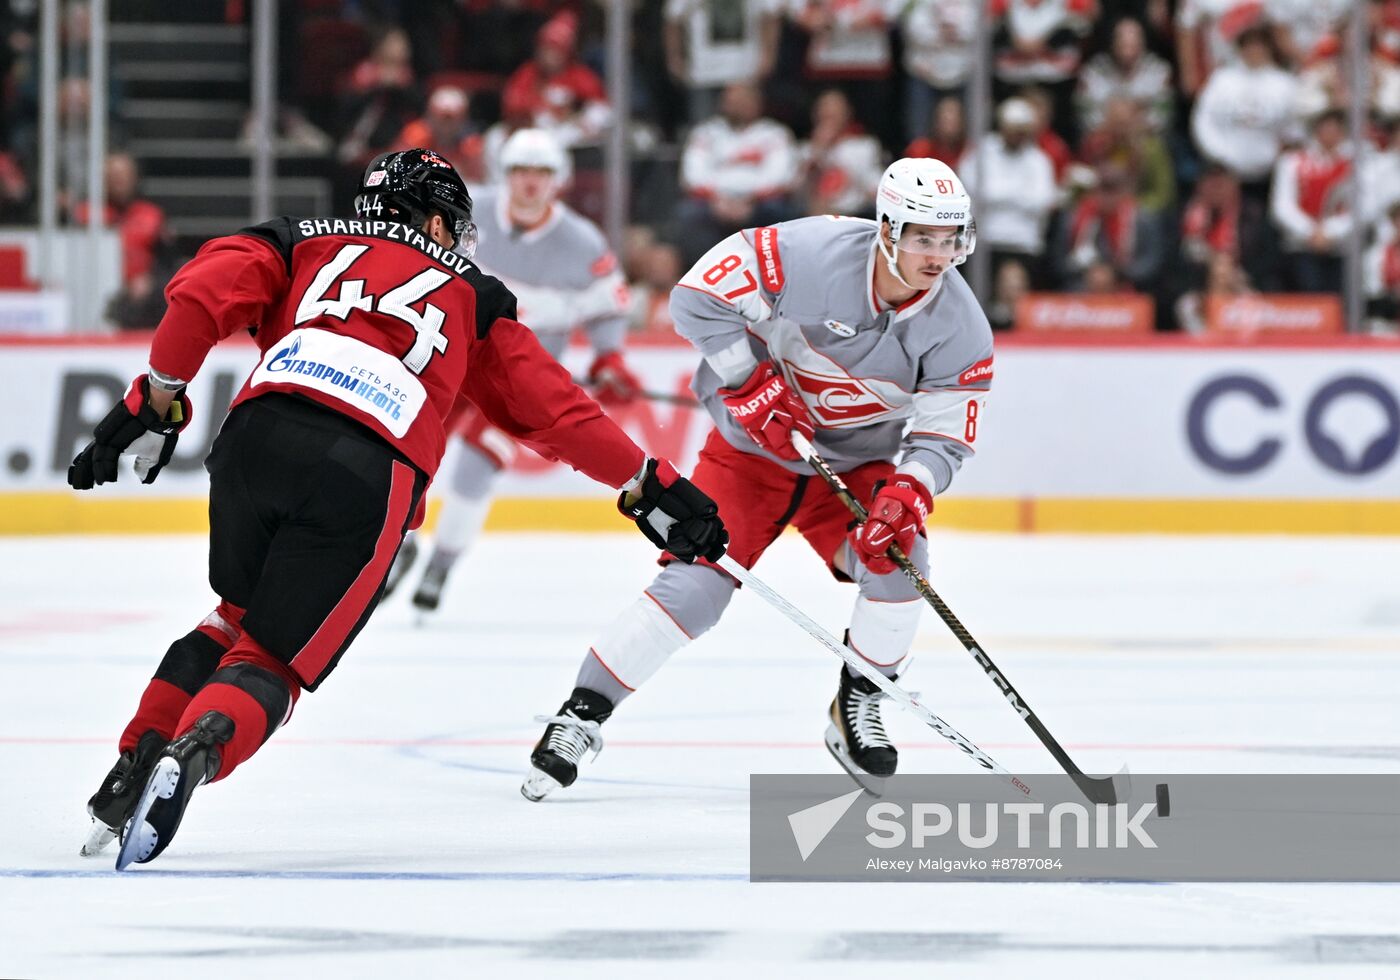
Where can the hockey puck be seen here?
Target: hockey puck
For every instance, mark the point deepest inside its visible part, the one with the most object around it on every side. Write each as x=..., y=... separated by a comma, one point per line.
x=1164, y=803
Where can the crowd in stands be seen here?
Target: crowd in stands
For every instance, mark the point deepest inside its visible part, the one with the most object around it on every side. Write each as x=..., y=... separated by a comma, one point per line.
x=1179, y=149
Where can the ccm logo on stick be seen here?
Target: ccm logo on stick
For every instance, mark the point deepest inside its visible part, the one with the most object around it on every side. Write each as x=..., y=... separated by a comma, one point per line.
x=1355, y=460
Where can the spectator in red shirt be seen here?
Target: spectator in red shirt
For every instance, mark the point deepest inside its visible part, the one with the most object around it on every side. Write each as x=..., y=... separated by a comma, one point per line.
x=1219, y=220
x=145, y=245
x=1383, y=271
x=1310, y=202
x=14, y=190
x=947, y=139
x=1046, y=136
x=1210, y=223
x=1109, y=228
x=560, y=93
x=447, y=128
x=140, y=223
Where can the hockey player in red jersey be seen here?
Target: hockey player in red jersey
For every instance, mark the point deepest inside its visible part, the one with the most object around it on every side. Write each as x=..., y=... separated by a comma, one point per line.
x=371, y=331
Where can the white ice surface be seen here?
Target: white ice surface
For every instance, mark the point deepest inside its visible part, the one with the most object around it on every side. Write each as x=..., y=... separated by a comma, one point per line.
x=382, y=832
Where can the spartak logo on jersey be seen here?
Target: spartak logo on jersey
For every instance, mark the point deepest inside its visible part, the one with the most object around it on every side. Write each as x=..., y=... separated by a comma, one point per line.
x=837, y=401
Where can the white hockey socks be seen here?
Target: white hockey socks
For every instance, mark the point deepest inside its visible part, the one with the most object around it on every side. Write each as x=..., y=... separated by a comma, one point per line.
x=631, y=649
x=883, y=632
x=459, y=524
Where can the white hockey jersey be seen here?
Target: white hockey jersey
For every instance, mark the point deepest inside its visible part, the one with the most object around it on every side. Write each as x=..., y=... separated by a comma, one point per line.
x=563, y=273
x=909, y=382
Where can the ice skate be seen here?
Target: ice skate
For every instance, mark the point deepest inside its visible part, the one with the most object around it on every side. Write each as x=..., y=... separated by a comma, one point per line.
x=111, y=806
x=403, y=561
x=187, y=762
x=856, y=736
x=567, y=735
x=428, y=595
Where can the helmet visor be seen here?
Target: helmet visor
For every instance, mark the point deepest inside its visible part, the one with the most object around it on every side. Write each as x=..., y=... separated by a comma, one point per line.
x=465, y=233
x=938, y=243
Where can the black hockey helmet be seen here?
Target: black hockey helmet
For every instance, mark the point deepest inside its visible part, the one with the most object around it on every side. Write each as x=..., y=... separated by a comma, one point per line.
x=409, y=186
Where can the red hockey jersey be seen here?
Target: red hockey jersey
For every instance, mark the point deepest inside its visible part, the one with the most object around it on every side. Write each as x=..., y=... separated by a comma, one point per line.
x=376, y=321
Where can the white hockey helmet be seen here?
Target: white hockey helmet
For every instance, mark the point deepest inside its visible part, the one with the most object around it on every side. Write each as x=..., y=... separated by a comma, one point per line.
x=536, y=148
x=925, y=191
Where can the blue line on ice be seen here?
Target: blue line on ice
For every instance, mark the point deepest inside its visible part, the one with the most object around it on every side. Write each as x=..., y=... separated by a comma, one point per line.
x=377, y=875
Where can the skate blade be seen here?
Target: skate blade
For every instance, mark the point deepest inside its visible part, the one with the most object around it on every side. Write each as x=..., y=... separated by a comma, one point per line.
x=538, y=785
x=139, y=840
x=98, y=838
x=874, y=785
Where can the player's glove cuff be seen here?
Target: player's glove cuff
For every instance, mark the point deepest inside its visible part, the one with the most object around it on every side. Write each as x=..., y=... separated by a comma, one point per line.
x=131, y=427
x=675, y=514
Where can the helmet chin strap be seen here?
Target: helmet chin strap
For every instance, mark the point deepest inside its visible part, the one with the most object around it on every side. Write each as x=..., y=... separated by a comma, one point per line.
x=891, y=256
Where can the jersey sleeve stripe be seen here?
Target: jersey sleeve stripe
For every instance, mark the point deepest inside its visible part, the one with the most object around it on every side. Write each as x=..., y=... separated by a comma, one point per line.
x=942, y=435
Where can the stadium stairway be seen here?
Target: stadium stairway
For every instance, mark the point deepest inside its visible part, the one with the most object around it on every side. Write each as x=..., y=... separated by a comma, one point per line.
x=185, y=91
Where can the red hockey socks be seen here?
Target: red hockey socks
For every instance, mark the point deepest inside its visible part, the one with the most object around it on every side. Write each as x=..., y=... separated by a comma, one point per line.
x=182, y=672
x=252, y=688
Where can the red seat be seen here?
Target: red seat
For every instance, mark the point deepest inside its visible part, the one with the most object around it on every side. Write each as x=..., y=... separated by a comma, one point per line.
x=12, y=274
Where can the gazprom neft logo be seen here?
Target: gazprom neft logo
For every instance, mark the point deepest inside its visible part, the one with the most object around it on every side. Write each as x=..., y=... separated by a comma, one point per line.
x=370, y=394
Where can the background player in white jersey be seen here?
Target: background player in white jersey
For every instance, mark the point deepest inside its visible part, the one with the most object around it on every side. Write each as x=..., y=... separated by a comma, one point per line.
x=862, y=336
x=563, y=275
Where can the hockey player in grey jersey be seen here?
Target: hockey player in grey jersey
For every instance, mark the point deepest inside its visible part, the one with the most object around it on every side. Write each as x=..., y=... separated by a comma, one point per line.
x=559, y=267
x=862, y=336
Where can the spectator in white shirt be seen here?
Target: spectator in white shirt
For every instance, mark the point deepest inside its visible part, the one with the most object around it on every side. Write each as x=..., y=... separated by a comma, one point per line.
x=1207, y=32
x=1126, y=70
x=1040, y=42
x=713, y=43
x=938, y=54
x=1013, y=182
x=738, y=170
x=842, y=162
x=849, y=46
x=1246, y=113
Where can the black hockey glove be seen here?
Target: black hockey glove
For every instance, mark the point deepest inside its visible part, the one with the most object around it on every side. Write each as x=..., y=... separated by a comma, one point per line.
x=675, y=514
x=132, y=426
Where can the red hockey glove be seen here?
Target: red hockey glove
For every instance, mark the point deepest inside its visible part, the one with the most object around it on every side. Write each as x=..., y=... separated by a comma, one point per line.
x=769, y=411
x=674, y=514
x=612, y=380
x=131, y=427
x=896, y=517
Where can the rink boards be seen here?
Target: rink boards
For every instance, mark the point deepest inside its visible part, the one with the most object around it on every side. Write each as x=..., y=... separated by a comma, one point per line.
x=1176, y=435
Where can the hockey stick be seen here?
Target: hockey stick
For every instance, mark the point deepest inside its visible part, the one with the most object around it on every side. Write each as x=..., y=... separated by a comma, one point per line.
x=1107, y=789
x=684, y=401
x=899, y=694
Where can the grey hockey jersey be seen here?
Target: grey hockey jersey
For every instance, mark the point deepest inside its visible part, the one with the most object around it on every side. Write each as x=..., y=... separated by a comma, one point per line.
x=909, y=382
x=562, y=273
